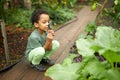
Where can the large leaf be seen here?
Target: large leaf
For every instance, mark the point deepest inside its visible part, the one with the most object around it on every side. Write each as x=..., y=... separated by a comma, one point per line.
x=59, y=72
x=113, y=74
x=108, y=38
x=111, y=56
x=94, y=68
x=69, y=59
x=84, y=47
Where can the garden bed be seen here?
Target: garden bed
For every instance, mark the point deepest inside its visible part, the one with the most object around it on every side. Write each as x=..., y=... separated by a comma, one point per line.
x=17, y=40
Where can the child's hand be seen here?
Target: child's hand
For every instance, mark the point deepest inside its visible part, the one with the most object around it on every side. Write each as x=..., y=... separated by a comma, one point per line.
x=48, y=44
x=51, y=31
x=50, y=34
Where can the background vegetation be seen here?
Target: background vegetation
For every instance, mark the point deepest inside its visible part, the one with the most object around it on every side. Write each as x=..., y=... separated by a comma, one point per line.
x=18, y=13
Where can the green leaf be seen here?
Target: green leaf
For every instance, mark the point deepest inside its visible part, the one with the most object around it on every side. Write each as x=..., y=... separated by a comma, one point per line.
x=111, y=56
x=90, y=27
x=59, y=72
x=116, y=2
x=68, y=60
x=94, y=68
x=93, y=6
x=108, y=38
x=83, y=46
x=113, y=74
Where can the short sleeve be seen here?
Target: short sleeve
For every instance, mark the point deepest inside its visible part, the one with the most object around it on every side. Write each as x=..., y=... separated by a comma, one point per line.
x=34, y=43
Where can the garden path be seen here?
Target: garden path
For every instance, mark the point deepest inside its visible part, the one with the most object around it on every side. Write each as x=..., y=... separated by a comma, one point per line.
x=66, y=35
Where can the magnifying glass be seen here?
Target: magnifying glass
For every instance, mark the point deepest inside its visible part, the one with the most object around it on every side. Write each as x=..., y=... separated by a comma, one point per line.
x=49, y=26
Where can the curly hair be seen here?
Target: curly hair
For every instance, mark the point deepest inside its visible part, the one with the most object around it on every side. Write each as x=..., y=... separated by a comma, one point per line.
x=35, y=15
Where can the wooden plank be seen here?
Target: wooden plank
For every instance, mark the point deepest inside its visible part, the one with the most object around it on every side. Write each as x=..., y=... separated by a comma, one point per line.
x=17, y=71
x=46, y=78
x=32, y=74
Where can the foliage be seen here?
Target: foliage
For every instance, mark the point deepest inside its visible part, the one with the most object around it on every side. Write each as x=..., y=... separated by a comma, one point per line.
x=60, y=15
x=90, y=28
x=64, y=72
x=89, y=31
x=59, y=11
x=106, y=43
x=114, y=12
x=71, y=3
x=2, y=11
x=19, y=17
x=93, y=4
x=57, y=3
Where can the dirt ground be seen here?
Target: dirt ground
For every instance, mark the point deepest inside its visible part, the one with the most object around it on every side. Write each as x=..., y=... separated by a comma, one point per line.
x=17, y=40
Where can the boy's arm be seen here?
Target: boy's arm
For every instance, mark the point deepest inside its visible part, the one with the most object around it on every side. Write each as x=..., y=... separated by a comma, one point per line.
x=49, y=38
x=48, y=44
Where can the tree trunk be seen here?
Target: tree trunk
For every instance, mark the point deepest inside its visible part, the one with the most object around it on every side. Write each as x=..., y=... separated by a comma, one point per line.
x=27, y=4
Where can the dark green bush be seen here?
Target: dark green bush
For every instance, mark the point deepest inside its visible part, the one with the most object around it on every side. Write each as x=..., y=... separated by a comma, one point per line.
x=19, y=17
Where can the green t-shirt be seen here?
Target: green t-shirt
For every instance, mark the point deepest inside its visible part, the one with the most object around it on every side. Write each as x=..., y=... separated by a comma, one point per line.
x=35, y=40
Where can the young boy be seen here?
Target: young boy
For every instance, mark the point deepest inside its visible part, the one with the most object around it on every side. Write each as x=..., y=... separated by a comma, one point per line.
x=40, y=43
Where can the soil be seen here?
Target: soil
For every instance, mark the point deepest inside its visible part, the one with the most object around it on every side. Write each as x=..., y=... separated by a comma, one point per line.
x=17, y=40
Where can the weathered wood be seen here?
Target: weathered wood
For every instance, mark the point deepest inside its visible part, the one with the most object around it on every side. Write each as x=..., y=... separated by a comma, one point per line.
x=5, y=41
x=33, y=74
x=17, y=72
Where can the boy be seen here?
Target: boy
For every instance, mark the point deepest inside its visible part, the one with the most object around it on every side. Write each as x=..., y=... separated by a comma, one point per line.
x=40, y=43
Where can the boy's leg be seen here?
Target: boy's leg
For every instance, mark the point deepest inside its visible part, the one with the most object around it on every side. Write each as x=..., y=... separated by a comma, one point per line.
x=36, y=55
x=55, y=45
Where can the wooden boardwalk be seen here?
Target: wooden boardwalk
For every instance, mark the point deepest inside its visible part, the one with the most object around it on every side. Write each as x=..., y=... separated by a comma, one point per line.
x=66, y=36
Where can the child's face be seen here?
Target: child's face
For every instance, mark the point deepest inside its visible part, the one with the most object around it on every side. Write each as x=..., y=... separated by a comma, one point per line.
x=42, y=24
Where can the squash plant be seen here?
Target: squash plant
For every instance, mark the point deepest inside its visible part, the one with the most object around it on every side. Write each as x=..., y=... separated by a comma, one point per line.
x=106, y=43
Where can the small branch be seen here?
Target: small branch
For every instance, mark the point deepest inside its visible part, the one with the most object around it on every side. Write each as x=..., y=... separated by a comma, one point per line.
x=103, y=5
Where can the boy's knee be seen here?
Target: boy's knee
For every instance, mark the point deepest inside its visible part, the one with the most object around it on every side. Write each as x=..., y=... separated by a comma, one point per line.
x=40, y=51
x=56, y=44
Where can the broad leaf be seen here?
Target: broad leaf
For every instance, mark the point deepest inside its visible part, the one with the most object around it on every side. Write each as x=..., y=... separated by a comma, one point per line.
x=59, y=72
x=113, y=74
x=94, y=68
x=84, y=47
x=108, y=38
